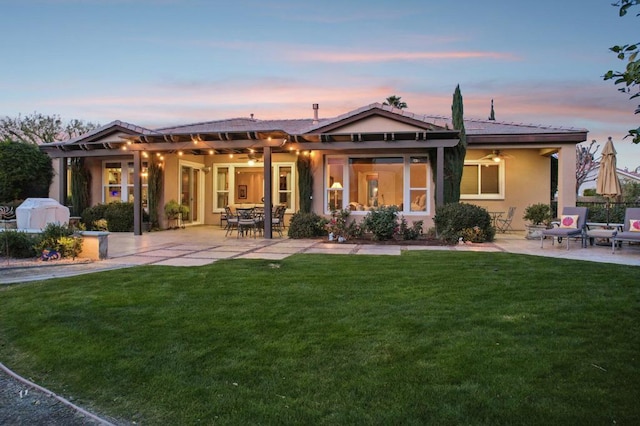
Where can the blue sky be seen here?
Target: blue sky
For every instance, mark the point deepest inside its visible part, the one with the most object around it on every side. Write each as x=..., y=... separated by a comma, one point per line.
x=162, y=62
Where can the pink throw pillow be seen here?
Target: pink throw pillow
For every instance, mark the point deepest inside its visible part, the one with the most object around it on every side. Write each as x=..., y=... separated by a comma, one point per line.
x=569, y=221
x=634, y=225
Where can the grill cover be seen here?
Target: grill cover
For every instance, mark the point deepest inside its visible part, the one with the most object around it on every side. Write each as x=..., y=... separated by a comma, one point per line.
x=36, y=213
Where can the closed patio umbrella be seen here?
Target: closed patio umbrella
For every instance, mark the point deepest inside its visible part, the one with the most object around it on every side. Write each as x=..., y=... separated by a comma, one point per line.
x=608, y=184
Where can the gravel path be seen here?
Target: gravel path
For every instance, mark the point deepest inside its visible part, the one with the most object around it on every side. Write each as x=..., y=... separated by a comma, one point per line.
x=22, y=404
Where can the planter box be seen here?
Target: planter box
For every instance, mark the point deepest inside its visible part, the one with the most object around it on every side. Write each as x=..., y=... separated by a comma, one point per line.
x=534, y=232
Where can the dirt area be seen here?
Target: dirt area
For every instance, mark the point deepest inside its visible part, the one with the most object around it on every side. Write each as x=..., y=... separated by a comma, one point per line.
x=21, y=404
x=9, y=262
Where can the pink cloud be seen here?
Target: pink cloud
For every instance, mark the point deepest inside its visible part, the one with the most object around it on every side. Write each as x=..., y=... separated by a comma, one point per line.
x=333, y=57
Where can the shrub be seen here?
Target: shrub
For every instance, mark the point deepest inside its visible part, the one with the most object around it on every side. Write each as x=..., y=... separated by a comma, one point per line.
x=119, y=217
x=451, y=219
x=406, y=232
x=19, y=245
x=306, y=225
x=91, y=215
x=381, y=222
x=114, y=217
x=60, y=238
x=25, y=171
x=474, y=235
x=538, y=214
x=340, y=226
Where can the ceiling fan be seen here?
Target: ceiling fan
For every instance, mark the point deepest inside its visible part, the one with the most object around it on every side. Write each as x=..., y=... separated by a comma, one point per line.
x=251, y=158
x=496, y=156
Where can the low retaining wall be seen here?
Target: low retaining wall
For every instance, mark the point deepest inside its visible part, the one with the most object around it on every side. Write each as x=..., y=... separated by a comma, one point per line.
x=95, y=244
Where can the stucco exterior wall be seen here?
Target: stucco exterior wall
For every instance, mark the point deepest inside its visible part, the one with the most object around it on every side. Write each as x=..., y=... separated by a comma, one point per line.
x=527, y=181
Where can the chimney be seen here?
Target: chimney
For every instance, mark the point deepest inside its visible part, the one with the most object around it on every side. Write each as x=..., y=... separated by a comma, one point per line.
x=315, y=113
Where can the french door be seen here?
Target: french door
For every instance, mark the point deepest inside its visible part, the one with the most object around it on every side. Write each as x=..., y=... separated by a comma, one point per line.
x=192, y=192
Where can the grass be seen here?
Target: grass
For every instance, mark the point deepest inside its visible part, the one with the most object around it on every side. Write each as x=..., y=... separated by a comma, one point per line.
x=424, y=338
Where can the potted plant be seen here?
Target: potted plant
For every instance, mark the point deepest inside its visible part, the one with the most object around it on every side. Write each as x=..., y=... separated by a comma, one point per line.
x=174, y=212
x=539, y=217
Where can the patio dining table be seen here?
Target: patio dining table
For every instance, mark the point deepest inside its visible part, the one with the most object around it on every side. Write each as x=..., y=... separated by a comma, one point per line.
x=250, y=219
x=495, y=216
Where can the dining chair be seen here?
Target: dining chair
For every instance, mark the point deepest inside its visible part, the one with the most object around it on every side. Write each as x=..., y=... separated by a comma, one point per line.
x=246, y=222
x=504, y=225
x=277, y=220
x=232, y=221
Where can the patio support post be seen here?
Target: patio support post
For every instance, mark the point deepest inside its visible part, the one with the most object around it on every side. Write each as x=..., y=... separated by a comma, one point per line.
x=268, y=191
x=137, y=194
x=566, y=177
x=63, y=181
x=439, y=176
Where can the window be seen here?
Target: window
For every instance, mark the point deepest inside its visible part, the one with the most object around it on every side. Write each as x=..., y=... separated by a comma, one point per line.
x=482, y=180
x=222, y=187
x=418, y=168
x=364, y=183
x=284, y=187
x=241, y=183
x=335, y=183
x=117, y=182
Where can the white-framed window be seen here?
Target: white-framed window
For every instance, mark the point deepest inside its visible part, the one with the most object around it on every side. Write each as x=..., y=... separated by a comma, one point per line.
x=482, y=180
x=117, y=181
x=241, y=183
x=363, y=182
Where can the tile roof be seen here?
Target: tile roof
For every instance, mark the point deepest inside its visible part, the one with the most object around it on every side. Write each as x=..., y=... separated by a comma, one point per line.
x=300, y=126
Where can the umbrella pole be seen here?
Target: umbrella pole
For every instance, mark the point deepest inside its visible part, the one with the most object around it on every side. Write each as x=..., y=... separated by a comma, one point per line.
x=608, y=210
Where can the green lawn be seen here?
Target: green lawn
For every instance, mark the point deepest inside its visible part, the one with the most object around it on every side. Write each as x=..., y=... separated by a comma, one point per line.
x=424, y=338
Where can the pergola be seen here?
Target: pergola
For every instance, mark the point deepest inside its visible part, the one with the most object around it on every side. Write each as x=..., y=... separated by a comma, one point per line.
x=138, y=141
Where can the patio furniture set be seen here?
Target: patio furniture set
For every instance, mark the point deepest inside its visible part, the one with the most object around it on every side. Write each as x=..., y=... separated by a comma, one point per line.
x=250, y=220
x=573, y=224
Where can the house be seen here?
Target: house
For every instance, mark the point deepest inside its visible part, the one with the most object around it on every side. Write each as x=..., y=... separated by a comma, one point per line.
x=624, y=175
x=372, y=156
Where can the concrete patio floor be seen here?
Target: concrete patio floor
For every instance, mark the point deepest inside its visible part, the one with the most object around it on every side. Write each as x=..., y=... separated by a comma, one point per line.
x=202, y=245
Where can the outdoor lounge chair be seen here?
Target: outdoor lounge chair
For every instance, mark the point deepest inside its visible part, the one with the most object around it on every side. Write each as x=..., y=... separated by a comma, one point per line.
x=504, y=225
x=631, y=229
x=572, y=225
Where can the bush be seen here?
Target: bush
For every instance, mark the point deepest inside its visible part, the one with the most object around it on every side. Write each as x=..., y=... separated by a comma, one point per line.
x=451, y=219
x=25, y=172
x=119, y=217
x=91, y=215
x=406, y=232
x=538, y=214
x=60, y=238
x=306, y=225
x=381, y=222
x=340, y=226
x=19, y=245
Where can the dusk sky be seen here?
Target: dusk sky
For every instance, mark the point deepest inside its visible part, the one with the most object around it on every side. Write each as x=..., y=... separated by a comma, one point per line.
x=161, y=62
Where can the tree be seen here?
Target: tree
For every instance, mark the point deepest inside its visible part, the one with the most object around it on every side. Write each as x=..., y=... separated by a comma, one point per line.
x=395, y=101
x=630, y=78
x=305, y=182
x=454, y=157
x=80, y=184
x=37, y=128
x=25, y=172
x=585, y=163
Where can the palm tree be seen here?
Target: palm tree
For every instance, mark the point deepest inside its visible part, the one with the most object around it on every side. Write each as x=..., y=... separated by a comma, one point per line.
x=395, y=101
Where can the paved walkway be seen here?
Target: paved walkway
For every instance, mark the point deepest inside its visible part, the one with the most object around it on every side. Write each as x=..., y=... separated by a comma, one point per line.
x=201, y=245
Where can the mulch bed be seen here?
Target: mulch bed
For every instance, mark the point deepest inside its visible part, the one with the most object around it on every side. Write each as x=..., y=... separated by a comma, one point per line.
x=364, y=241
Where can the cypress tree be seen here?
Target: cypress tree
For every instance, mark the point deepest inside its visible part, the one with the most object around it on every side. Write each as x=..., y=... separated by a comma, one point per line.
x=454, y=157
x=305, y=183
x=80, y=184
